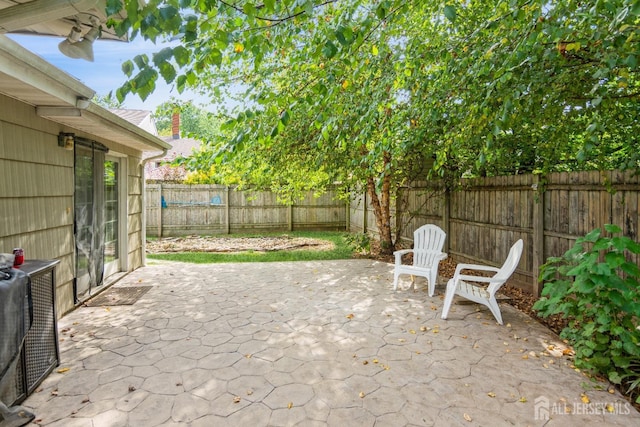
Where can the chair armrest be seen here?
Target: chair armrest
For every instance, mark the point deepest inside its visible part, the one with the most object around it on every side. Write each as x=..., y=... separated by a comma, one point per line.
x=476, y=267
x=469, y=278
x=398, y=255
x=403, y=252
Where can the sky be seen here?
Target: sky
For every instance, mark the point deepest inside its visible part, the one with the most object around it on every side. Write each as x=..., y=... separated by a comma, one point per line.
x=105, y=74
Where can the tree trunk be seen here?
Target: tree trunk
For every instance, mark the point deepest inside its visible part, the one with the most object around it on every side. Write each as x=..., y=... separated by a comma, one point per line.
x=382, y=210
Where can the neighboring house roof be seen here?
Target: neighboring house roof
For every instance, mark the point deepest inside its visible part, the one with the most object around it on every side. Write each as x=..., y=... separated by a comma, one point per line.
x=141, y=118
x=181, y=146
x=61, y=98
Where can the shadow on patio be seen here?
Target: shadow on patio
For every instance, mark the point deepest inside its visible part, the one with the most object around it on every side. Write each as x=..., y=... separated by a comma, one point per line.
x=307, y=343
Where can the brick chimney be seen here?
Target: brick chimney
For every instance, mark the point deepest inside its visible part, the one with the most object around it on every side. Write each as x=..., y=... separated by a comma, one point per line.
x=175, y=125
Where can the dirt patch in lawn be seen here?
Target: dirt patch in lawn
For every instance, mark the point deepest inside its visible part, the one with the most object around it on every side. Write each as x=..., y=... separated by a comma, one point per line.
x=236, y=244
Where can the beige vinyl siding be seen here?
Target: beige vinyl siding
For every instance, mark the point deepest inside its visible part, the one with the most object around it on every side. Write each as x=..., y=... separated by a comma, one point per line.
x=36, y=193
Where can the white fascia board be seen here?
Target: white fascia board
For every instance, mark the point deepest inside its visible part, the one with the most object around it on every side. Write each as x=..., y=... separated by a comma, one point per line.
x=100, y=114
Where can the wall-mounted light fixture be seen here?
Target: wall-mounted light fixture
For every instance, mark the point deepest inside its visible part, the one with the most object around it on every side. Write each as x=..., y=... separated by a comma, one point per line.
x=75, y=48
x=66, y=140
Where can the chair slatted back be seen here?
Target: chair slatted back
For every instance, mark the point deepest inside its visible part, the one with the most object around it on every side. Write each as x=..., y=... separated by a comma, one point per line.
x=507, y=268
x=428, y=242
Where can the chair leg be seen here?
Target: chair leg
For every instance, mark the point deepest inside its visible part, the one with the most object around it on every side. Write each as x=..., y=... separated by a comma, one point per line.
x=432, y=283
x=395, y=280
x=448, y=298
x=495, y=310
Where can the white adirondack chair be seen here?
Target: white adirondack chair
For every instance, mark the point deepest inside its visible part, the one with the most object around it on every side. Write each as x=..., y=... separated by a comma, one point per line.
x=476, y=292
x=428, y=241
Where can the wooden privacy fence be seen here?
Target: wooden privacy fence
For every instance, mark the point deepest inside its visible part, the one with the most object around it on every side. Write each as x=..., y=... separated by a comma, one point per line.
x=487, y=215
x=180, y=209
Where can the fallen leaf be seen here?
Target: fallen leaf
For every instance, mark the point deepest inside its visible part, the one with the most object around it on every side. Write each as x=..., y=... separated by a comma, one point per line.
x=63, y=370
x=349, y=316
x=54, y=392
x=423, y=329
x=523, y=400
x=491, y=394
x=584, y=398
x=248, y=356
x=237, y=399
x=132, y=388
x=366, y=362
x=86, y=400
x=290, y=405
x=467, y=417
x=525, y=356
x=375, y=360
x=361, y=394
x=412, y=331
x=610, y=408
x=249, y=392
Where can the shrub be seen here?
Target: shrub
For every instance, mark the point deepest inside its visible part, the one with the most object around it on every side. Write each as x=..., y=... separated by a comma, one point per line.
x=359, y=242
x=596, y=288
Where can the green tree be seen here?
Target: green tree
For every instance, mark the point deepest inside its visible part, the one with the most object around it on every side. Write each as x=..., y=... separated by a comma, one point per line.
x=107, y=101
x=195, y=121
x=374, y=93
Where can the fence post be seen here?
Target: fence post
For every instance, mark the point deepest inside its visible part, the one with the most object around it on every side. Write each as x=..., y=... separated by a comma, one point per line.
x=347, y=219
x=290, y=225
x=538, y=232
x=228, y=211
x=365, y=212
x=160, y=190
x=446, y=217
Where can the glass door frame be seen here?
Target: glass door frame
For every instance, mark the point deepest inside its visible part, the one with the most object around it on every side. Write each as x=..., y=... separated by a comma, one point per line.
x=121, y=262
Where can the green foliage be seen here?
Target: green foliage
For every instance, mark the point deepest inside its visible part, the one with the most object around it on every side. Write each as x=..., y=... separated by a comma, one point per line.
x=195, y=121
x=596, y=288
x=376, y=93
x=107, y=101
x=359, y=242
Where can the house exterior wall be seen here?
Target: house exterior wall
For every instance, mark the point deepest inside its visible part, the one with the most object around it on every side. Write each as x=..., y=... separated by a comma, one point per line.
x=36, y=194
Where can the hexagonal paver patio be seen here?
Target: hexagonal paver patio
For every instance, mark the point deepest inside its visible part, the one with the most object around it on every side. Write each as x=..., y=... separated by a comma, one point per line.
x=312, y=344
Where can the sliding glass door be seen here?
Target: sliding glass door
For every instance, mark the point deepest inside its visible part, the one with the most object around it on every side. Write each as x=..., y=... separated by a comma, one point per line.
x=111, y=216
x=89, y=218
